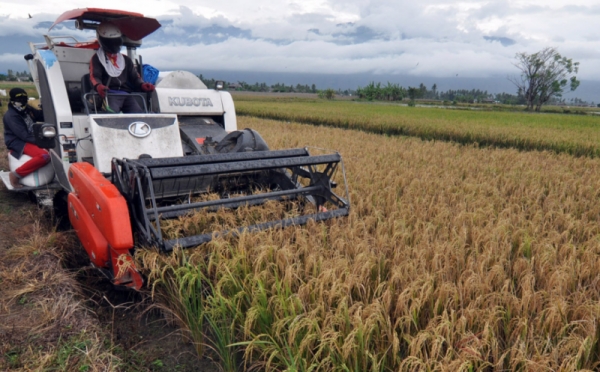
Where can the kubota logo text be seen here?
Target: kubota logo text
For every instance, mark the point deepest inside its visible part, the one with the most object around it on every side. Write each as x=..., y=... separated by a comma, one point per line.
x=190, y=101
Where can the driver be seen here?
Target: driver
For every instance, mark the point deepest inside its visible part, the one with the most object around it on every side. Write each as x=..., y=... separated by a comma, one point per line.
x=18, y=135
x=113, y=72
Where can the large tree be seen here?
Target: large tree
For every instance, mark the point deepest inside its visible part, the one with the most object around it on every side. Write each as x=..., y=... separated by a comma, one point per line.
x=544, y=75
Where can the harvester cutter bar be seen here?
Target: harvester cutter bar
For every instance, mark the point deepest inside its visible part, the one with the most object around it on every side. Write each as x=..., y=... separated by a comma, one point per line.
x=196, y=240
x=232, y=205
x=234, y=202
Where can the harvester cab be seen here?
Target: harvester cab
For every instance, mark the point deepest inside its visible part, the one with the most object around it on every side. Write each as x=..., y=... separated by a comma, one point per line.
x=119, y=176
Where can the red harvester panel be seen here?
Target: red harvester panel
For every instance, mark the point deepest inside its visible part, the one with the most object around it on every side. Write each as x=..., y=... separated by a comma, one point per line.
x=91, y=238
x=106, y=207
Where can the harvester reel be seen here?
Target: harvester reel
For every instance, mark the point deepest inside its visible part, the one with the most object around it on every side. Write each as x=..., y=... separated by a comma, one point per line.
x=153, y=185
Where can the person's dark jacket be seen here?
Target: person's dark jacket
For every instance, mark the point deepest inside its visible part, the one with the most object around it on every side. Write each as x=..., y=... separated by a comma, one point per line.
x=16, y=133
x=129, y=80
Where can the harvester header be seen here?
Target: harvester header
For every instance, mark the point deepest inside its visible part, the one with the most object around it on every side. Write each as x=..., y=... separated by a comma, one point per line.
x=117, y=177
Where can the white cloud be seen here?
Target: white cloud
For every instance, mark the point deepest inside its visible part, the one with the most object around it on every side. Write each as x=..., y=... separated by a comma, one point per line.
x=13, y=26
x=380, y=57
x=10, y=58
x=425, y=38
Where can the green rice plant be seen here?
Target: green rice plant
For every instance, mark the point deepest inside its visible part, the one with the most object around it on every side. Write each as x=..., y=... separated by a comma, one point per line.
x=221, y=317
x=183, y=286
x=201, y=309
x=573, y=134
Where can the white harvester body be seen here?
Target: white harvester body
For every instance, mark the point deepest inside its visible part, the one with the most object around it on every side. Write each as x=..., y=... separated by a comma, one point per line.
x=59, y=66
x=117, y=175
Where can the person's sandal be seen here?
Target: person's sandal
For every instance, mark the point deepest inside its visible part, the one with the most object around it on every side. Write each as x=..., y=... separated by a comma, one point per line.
x=14, y=181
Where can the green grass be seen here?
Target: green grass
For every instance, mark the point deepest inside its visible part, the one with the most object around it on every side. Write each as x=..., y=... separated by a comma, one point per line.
x=573, y=134
x=28, y=86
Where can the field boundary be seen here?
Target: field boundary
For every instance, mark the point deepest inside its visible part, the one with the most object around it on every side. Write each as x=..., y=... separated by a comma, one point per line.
x=429, y=134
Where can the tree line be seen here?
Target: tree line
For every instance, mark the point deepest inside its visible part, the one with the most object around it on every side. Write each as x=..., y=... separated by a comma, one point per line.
x=15, y=76
x=544, y=77
x=261, y=87
x=395, y=92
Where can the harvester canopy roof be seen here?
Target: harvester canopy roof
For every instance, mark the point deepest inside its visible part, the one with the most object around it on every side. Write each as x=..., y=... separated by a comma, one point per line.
x=133, y=25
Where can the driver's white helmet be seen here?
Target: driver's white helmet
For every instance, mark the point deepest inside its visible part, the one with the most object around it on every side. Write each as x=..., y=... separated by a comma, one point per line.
x=110, y=37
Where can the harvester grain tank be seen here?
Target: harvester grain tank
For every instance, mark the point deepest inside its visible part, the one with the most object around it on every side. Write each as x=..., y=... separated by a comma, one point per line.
x=119, y=175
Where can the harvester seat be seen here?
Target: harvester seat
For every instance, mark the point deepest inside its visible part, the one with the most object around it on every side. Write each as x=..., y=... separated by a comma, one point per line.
x=40, y=177
x=86, y=84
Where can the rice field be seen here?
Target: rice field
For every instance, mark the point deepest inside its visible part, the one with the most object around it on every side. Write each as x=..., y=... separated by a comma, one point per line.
x=453, y=258
x=573, y=134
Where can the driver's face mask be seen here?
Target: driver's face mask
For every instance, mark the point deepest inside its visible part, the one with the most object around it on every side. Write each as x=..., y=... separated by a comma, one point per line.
x=20, y=103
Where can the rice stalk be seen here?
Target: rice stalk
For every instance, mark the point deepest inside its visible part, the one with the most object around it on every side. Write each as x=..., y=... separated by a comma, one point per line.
x=452, y=258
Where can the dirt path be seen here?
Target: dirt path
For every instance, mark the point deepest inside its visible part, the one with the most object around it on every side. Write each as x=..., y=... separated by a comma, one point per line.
x=128, y=326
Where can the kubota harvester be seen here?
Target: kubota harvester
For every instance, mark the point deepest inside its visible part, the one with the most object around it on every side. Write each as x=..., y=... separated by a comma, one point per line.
x=119, y=175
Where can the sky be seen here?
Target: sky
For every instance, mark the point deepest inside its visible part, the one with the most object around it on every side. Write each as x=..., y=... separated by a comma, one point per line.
x=411, y=40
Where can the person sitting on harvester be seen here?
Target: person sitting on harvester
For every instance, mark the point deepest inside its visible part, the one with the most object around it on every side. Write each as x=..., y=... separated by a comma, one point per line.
x=18, y=135
x=112, y=72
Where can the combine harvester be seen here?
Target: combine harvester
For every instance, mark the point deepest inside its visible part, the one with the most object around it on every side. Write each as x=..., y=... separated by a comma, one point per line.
x=120, y=175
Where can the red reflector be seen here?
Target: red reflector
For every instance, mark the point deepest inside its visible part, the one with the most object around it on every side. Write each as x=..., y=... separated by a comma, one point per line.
x=200, y=140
